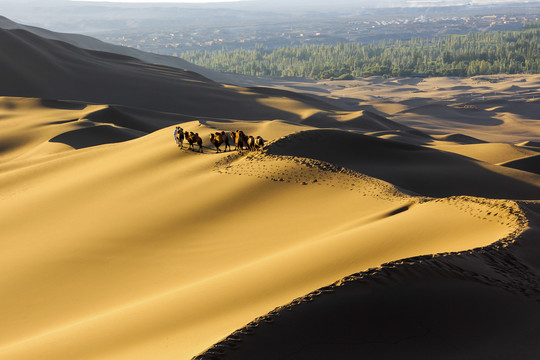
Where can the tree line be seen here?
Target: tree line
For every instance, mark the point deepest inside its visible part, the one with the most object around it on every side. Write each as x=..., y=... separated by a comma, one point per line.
x=451, y=55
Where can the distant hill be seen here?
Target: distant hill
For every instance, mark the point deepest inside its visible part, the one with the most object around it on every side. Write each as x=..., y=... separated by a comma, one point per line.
x=41, y=67
x=90, y=43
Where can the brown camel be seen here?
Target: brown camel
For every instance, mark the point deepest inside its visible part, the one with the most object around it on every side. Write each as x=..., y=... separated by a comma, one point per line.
x=243, y=138
x=219, y=138
x=193, y=138
x=233, y=137
x=259, y=143
x=251, y=143
x=238, y=138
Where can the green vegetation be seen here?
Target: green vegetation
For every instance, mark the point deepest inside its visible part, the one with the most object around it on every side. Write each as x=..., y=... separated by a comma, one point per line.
x=532, y=25
x=453, y=55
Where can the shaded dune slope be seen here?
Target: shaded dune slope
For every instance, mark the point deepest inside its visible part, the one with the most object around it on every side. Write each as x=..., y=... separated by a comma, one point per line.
x=453, y=115
x=94, y=136
x=137, y=119
x=90, y=43
x=534, y=144
x=526, y=109
x=530, y=164
x=363, y=120
x=33, y=64
x=415, y=168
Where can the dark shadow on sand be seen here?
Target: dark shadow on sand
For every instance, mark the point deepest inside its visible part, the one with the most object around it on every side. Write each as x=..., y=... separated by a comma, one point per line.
x=96, y=135
x=422, y=170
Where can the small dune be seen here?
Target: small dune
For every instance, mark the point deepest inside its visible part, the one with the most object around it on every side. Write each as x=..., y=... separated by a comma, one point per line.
x=530, y=164
x=96, y=135
x=370, y=121
x=415, y=168
x=460, y=139
x=493, y=153
x=535, y=144
x=448, y=113
x=136, y=119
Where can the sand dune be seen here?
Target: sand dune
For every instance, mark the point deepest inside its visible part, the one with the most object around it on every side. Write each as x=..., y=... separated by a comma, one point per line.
x=95, y=135
x=493, y=153
x=34, y=63
x=367, y=120
x=530, y=164
x=445, y=308
x=482, y=107
x=460, y=139
x=117, y=244
x=90, y=43
x=415, y=168
x=158, y=271
x=446, y=113
x=30, y=122
x=528, y=109
x=533, y=144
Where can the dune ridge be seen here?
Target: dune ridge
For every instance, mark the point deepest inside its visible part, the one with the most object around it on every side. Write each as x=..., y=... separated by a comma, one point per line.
x=412, y=167
x=528, y=163
x=458, y=291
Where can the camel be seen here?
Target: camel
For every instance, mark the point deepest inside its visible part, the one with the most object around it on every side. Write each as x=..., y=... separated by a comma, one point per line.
x=179, y=136
x=243, y=136
x=193, y=138
x=219, y=138
x=198, y=140
x=259, y=143
x=251, y=143
x=242, y=139
x=238, y=137
x=233, y=137
x=189, y=139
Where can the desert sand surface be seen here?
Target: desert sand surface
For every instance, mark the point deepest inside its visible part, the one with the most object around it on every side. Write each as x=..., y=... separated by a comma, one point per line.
x=390, y=227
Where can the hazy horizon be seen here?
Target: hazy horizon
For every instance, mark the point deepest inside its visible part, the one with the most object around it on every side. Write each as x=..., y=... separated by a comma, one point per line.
x=394, y=3
x=160, y=1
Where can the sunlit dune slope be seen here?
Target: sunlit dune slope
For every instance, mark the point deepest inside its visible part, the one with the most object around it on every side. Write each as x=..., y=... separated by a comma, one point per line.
x=493, y=153
x=141, y=249
x=36, y=127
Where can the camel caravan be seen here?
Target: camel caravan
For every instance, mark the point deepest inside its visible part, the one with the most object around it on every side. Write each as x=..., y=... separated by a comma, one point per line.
x=239, y=138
